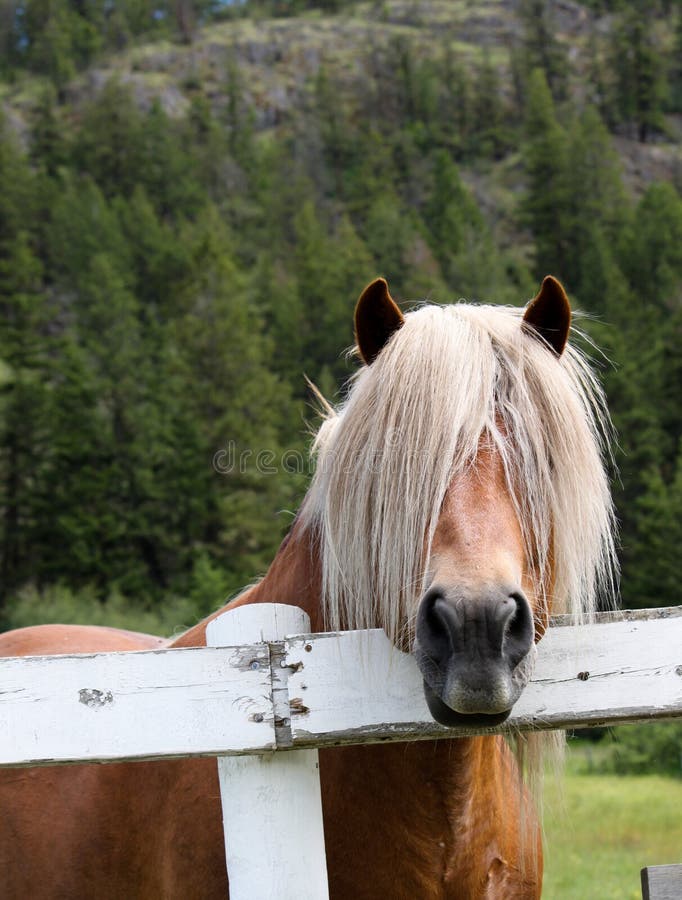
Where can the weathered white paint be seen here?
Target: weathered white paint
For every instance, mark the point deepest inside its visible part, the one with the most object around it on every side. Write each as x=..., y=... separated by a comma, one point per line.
x=347, y=688
x=354, y=686
x=272, y=806
x=112, y=706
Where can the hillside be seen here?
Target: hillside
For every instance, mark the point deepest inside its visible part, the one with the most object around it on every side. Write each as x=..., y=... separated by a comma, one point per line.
x=278, y=59
x=188, y=214
x=275, y=64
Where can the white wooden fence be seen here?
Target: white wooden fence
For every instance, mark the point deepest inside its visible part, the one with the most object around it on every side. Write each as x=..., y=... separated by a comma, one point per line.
x=264, y=685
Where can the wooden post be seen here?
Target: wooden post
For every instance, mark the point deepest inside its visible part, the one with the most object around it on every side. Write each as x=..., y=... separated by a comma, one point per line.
x=272, y=805
x=662, y=882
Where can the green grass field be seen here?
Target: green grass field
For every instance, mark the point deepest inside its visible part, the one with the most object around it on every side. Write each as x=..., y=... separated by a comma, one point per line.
x=610, y=827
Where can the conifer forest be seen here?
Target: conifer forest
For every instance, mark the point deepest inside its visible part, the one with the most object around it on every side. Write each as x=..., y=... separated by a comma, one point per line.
x=192, y=196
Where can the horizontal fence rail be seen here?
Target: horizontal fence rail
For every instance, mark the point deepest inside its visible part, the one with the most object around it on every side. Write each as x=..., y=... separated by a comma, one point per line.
x=263, y=685
x=305, y=691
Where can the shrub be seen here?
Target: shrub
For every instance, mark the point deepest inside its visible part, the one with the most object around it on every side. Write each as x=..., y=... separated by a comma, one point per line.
x=59, y=604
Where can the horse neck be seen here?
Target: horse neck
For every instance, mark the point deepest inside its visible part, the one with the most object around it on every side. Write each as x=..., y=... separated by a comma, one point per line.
x=293, y=579
x=455, y=808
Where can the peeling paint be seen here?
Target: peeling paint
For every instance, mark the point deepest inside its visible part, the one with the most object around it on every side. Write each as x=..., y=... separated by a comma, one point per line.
x=253, y=656
x=292, y=666
x=297, y=707
x=94, y=698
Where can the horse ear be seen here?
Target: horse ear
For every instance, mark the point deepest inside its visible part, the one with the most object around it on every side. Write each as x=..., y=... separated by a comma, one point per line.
x=549, y=315
x=376, y=318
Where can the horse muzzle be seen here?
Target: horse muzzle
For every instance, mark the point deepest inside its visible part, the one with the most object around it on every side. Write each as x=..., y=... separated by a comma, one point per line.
x=475, y=650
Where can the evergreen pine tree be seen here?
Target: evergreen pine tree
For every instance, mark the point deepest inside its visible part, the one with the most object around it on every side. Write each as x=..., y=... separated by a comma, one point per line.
x=491, y=139
x=651, y=569
x=237, y=402
x=110, y=142
x=456, y=113
x=638, y=73
x=651, y=252
x=541, y=48
x=674, y=75
x=544, y=206
x=48, y=147
x=24, y=427
x=596, y=210
x=24, y=349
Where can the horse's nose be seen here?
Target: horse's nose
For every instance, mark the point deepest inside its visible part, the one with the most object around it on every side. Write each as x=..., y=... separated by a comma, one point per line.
x=494, y=623
x=470, y=644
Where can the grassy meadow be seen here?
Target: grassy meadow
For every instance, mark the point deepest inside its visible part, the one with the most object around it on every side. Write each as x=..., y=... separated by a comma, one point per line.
x=602, y=829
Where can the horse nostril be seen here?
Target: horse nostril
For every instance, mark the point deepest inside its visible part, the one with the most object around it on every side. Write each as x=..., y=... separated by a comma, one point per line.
x=519, y=629
x=431, y=607
x=433, y=625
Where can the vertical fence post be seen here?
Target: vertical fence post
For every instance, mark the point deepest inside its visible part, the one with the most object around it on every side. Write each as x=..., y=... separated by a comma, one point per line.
x=272, y=806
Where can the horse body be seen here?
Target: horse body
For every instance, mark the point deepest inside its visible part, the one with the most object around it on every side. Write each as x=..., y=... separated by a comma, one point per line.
x=456, y=533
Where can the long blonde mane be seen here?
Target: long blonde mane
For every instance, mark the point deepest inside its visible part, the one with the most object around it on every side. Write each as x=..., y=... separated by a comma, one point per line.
x=449, y=377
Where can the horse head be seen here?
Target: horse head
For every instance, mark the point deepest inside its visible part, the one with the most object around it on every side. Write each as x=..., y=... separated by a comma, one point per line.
x=448, y=497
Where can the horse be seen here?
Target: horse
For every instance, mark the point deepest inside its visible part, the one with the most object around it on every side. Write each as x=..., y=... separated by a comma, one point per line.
x=460, y=497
